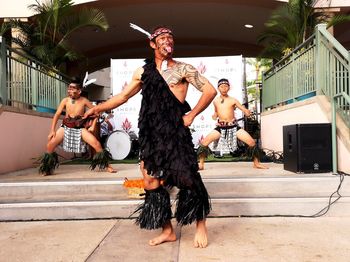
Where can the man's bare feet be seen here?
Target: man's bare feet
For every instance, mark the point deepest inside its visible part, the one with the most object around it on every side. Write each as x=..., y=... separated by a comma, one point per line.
x=110, y=169
x=257, y=164
x=48, y=173
x=200, y=166
x=201, y=236
x=201, y=163
x=167, y=235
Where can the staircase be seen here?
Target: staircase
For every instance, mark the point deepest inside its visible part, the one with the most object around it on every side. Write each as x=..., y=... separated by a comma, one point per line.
x=320, y=66
x=236, y=189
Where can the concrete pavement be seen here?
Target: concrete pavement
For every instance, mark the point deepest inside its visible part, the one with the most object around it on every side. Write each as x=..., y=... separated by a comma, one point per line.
x=230, y=239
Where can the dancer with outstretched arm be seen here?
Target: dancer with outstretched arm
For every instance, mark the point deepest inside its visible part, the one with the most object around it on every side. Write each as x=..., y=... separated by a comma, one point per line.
x=166, y=149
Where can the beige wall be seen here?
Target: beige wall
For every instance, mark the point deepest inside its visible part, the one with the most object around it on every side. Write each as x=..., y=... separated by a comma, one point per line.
x=23, y=136
x=314, y=110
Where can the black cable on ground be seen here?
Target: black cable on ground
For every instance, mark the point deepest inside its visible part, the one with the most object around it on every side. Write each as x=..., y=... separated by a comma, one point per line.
x=274, y=156
x=320, y=213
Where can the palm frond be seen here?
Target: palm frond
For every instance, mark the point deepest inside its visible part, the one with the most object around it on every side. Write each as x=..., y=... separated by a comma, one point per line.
x=46, y=35
x=289, y=25
x=338, y=19
x=4, y=28
x=86, y=17
x=273, y=51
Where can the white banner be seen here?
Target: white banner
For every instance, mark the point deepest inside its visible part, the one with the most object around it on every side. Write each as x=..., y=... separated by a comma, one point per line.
x=213, y=68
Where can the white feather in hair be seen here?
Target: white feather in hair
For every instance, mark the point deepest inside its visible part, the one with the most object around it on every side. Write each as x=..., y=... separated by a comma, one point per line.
x=85, y=78
x=136, y=27
x=87, y=82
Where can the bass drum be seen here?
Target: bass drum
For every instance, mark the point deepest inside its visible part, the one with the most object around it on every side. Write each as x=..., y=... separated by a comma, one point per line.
x=135, y=146
x=119, y=144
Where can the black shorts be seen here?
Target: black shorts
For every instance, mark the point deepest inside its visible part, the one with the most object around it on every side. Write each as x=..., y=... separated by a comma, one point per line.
x=219, y=128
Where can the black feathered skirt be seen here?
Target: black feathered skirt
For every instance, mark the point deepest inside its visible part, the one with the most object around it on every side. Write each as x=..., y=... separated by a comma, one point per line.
x=167, y=150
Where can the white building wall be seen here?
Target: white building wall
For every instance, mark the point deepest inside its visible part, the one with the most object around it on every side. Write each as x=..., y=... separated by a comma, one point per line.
x=308, y=111
x=19, y=8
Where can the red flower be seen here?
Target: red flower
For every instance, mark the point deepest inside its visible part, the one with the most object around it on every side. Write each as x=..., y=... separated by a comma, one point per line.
x=126, y=125
x=124, y=85
x=201, y=68
x=200, y=140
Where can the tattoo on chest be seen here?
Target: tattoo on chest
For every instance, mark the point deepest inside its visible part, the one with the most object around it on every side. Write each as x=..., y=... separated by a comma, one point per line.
x=180, y=71
x=172, y=75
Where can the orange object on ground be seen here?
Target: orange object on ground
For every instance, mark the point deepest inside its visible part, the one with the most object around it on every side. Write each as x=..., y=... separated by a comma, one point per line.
x=134, y=183
x=135, y=187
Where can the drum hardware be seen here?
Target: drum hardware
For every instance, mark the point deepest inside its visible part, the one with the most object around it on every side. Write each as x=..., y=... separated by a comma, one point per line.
x=135, y=146
x=122, y=145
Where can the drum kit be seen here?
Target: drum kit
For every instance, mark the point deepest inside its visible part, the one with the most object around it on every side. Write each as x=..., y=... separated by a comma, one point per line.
x=122, y=145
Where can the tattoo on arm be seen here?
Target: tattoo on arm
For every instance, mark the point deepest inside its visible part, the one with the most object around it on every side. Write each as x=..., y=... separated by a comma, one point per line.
x=192, y=76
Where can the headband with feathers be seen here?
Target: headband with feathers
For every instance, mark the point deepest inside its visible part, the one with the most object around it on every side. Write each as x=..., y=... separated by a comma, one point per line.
x=157, y=32
x=87, y=82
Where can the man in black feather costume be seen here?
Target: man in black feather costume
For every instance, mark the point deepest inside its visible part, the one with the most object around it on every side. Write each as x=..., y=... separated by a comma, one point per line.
x=166, y=149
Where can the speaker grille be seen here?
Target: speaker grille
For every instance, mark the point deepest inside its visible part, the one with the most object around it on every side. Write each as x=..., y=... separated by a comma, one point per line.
x=307, y=148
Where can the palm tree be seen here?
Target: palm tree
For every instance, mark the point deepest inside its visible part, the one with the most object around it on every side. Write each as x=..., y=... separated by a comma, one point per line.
x=253, y=87
x=4, y=28
x=259, y=64
x=291, y=24
x=46, y=35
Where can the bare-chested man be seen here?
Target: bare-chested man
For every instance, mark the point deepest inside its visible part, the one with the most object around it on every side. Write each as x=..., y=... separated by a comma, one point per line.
x=73, y=132
x=166, y=149
x=224, y=107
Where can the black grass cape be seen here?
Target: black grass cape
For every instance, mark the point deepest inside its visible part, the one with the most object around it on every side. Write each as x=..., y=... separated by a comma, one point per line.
x=166, y=145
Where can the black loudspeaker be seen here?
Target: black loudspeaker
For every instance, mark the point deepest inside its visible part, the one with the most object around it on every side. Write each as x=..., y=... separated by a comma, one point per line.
x=307, y=148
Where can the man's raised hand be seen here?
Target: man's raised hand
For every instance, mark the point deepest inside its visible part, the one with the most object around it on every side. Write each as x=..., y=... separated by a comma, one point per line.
x=90, y=113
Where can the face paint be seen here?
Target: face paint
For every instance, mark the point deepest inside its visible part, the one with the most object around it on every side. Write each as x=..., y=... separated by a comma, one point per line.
x=73, y=91
x=165, y=44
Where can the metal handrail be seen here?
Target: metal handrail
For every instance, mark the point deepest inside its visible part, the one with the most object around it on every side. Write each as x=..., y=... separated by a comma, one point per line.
x=334, y=127
x=289, y=56
x=320, y=65
x=27, y=83
x=325, y=67
x=34, y=61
